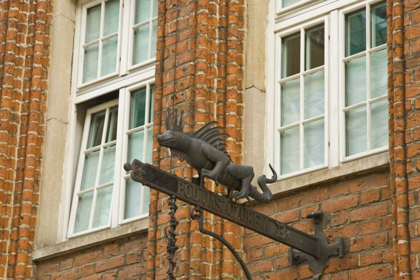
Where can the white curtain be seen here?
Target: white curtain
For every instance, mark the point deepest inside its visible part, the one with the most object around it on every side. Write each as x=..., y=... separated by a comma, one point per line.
x=314, y=95
x=378, y=73
x=111, y=20
x=289, y=145
x=102, y=207
x=108, y=165
x=132, y=199
x=141, y=44
x=83, y=212
x=142, y=10
x=290, y=102
x=356, y=81
x=314, y=143
x=109, y=56
x=356, y=131
x=379, y=124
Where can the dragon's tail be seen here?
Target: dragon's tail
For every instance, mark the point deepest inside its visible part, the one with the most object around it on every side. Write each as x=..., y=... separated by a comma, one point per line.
x=266, y=196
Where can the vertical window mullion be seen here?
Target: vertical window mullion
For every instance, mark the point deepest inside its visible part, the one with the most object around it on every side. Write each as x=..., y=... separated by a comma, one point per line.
x=301, y=98
x=368, y=47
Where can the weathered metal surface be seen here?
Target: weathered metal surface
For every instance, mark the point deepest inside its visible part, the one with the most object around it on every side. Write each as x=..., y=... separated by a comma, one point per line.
x=223, y=207
x=171, y=247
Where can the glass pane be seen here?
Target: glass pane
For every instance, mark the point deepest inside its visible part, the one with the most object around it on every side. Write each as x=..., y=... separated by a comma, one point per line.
x=108, y=165
x=93, y=23
x=146, y=201
x=141, y=44
x=132, y=199
x=102, y=207
x=378, y=25
x=314, y=94
x=288, y=3
x=356, y=140
x=314, y=143
x=289, y=145
x=155, y=8
x=149, y=145
x=138, y=108
x=135, y=149
x=112, y=15
x=109, y=56
x=142, y=10
x=355, y=81
x=90, y=170
x=378, y=73
x=152, y=103
x=314, y=48
x=112, y=124
x=356, y=32
x=291, y=55
x=90, y=63
x=154, y=38
x=96, y=129
x=83, y=212
x=290, y=106
x=379, y=124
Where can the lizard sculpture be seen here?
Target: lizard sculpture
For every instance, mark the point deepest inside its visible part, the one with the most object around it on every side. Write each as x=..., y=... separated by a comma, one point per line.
x=205, y=151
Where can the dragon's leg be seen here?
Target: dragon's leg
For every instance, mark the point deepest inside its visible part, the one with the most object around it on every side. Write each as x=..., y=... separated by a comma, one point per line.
x=245, y=174
x=220, y=159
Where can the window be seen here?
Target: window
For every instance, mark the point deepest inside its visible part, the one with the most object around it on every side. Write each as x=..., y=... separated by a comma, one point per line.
x=330, y=85
x=113, y=40
x=365, y=107
x=113, y=97
x=302, y=99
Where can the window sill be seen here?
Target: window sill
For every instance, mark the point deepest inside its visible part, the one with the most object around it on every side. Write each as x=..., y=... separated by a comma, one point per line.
x=327, y=174
x=88, y=240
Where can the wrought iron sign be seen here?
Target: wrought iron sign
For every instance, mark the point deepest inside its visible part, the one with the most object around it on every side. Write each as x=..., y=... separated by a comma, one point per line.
x=205, y=151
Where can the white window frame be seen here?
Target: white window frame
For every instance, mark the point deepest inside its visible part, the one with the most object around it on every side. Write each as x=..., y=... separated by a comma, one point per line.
x=124, y=50
x=131, y=36
x=287, y=21
x=82, y=43
x=80, y=169
x=277, y=96
x=366, y=53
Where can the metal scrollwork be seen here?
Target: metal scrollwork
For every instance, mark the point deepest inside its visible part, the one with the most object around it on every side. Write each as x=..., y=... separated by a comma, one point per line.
x=171, y=247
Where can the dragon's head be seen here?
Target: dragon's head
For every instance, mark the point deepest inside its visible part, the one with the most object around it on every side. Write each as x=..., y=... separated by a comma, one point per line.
x=173, y=137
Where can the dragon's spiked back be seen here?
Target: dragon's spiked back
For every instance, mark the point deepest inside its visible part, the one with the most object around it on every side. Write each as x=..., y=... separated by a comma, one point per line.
x=174, y=121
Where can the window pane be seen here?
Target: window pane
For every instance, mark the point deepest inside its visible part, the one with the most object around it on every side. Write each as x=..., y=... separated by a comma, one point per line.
x=108, y=165
x=152, y=103
x=356, y=32
x=155, y=8
x=112, y=15
x=83, y=212
x=314, y=143
x=290, y=106
x=141, y=44
x=146, y=199
x=314, y=94
x=378, y=73
x=102, y=207
x=314, y=47
x=93, y=23
x=90, y=63
x=149, y=145
x=291, y=55
x=96, y=129
x=132, y=199
x=112, y=124
x=90, y=170
x=356, y=81
x=109, y=56
x=288, y=3
x=289, y=145
x=378, y=25
x=138, y=108
x=356, y=131
x=142, y=10
x=135, y=149
x=379, y=124
x=154, y=38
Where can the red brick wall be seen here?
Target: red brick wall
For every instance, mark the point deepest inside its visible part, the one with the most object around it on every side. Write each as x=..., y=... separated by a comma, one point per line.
x=24, y=61
x=357, y=208
x=120, y=259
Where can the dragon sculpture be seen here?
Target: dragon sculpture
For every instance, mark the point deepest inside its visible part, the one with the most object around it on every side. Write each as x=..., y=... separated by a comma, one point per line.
x=205, y=151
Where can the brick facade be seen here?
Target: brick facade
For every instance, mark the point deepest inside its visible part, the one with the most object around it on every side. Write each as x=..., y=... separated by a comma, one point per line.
x=200, y=70
x=24, y=61
x=122, y=259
